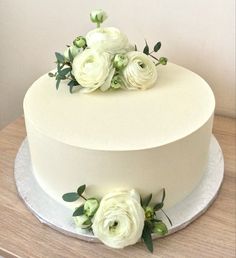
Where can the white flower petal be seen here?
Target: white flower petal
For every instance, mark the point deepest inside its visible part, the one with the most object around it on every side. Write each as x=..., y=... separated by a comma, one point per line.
x=106, y=85
x=108, y=39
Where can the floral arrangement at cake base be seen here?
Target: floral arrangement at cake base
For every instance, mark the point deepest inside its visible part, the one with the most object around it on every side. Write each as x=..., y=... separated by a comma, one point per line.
x=121, y=218
x=105, y=59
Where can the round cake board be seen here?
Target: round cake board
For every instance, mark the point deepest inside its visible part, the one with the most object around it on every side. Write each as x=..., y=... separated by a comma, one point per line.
x=59, y=217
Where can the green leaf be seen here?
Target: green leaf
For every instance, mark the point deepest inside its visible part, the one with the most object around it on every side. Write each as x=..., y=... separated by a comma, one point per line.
x=81, y=189
x=64, y=71
x=60, y=58
x=58, y=83
x=61, y=77
x=71, y=84
x=146, y=200
x=71, y=89
x=147, y=237
x=71, y=58
x=146, y=49
x=87, y=222
x=70, y=197
x=163, y=195
x=157, y=46
x=79, y=211
x=158, y=206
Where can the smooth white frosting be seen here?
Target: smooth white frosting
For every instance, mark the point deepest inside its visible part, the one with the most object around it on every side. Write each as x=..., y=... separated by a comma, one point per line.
x=122, y=139
x=179, y=104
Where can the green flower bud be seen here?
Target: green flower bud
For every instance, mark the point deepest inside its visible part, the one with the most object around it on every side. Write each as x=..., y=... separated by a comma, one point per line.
x=73, y=50
x=120, y=61
x=91, y=206
x=149, y=213
x=116, y=82
x=163, y=60
x=82, y=221
x=80, y=42
x=160, y=228
x=98, y=16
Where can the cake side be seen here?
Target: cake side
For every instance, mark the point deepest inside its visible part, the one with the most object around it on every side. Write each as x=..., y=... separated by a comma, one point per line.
x=177, y=166
x=179, y=104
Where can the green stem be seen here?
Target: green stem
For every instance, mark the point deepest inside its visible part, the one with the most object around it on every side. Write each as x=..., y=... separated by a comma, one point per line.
x=153, y=57
x=83, y=197
x=157, y=64
x=167, y=217
x=98, y=25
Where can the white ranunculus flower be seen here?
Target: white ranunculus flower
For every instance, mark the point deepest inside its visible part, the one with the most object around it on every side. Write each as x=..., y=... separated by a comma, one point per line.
x=119, y=220
x=108, y=39
x=93, y=70
x=140, y=73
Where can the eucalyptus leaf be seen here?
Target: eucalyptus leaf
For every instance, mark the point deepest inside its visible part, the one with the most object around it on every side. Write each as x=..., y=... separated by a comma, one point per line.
x=71, y=84
x=158, y=206
x=64, y=71
x=163, y=195
x=146, y=49
x=60, y=58
x=70, y=197
x=61, y=77
x=58, y=83
x=79, y=211
x=71, y=89
x=58, y=67
x=157, y=46
x=87, y=222
x=81, y=189
x=146, y=200
x=71, y=58
x=147, y=237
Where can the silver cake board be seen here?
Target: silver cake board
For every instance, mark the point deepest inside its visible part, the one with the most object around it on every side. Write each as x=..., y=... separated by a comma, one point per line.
x=59, y=217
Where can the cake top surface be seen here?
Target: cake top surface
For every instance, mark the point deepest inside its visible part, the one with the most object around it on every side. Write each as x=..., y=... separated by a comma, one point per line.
x=179, y=104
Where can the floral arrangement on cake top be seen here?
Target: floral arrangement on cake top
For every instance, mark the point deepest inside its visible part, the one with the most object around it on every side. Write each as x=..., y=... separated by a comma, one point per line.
x=121, y=218
x=104, y=59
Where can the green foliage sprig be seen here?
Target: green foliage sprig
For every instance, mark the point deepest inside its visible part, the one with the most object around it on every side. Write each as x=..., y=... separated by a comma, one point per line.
x=152, y=224
x=87, y=209
x=156, y=48
x=64, y=70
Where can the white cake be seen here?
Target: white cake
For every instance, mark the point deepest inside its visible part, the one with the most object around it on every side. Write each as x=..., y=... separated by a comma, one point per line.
x=145, y=140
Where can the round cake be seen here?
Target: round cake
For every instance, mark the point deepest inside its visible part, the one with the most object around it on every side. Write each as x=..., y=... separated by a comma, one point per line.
x=121, y=139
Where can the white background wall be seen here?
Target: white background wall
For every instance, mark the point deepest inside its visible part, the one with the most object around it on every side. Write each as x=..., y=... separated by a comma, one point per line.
x=196, y=34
